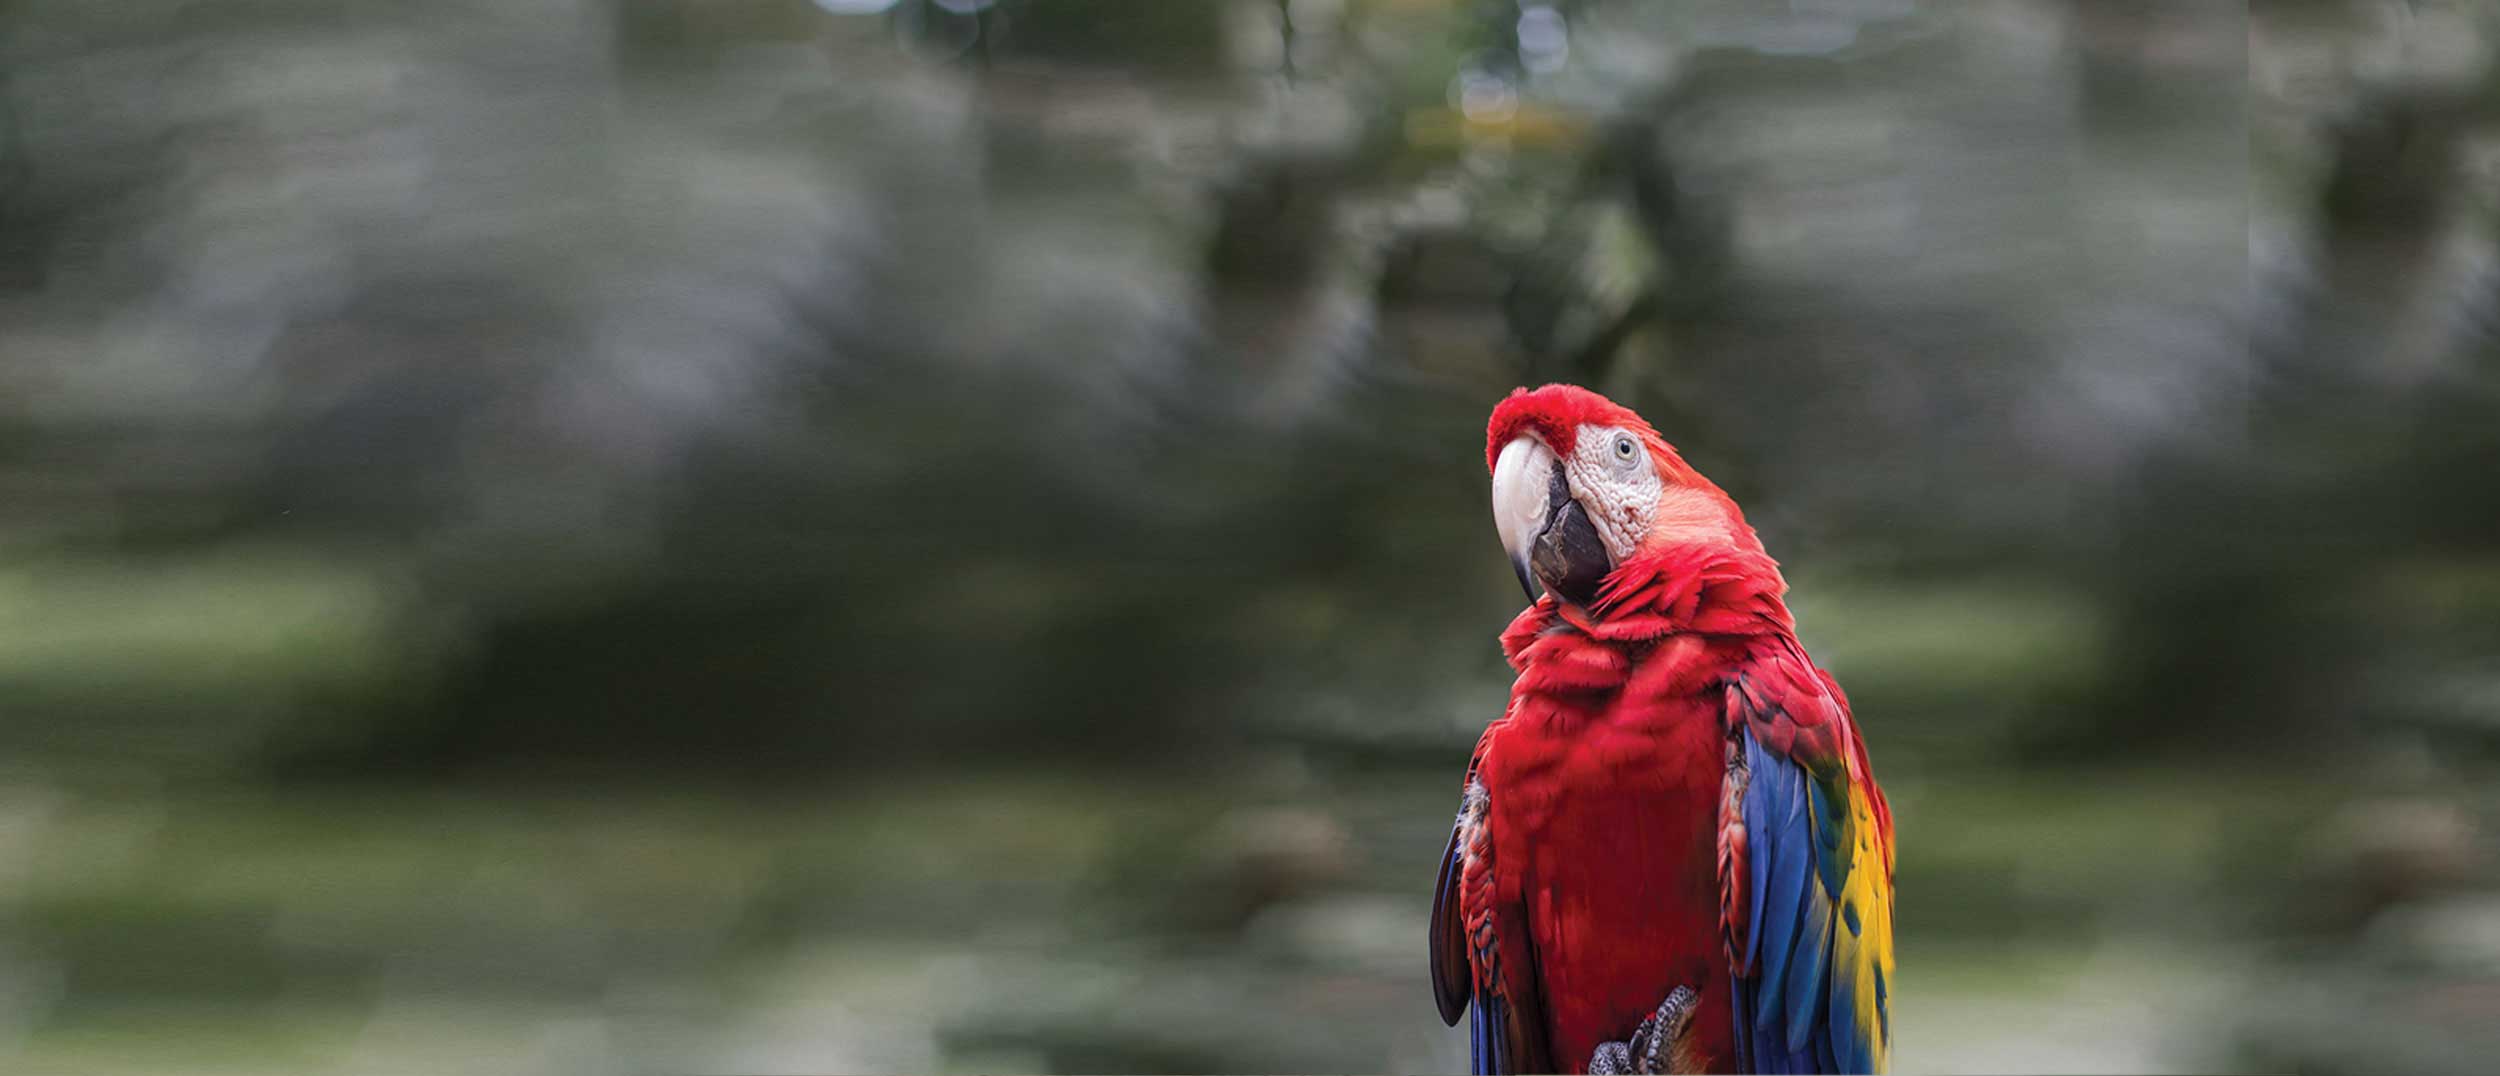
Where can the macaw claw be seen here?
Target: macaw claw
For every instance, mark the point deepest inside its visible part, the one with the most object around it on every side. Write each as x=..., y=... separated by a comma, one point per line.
x=1657, y=1046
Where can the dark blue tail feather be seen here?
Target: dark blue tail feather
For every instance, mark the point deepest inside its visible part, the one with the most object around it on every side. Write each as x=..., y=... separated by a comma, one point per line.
x=1485, y=1053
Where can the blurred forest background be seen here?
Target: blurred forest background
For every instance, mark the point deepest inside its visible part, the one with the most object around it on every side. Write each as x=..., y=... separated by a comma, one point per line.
x=950, y=535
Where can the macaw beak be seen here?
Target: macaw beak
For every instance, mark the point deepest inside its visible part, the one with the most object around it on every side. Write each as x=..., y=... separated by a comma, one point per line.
x=1547, y=534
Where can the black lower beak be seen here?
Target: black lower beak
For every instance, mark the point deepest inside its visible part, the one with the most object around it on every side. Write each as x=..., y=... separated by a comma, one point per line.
x=1569, y=556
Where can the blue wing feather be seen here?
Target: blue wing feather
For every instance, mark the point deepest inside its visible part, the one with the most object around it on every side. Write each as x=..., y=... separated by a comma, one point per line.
x=1807, y=987
x=1793, y=1014
x=1777, y=833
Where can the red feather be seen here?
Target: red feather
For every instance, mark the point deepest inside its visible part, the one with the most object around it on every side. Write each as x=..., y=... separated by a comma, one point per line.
x=1611, y=864
x=1607, y=822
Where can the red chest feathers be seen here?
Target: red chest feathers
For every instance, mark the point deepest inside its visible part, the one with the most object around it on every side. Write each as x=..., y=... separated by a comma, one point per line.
x=1605, y=802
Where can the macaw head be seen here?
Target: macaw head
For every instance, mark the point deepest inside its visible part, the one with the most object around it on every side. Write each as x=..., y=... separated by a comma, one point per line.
x=1582, y=486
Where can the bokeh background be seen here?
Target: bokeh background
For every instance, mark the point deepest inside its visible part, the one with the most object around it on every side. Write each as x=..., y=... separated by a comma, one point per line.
x=950, y=535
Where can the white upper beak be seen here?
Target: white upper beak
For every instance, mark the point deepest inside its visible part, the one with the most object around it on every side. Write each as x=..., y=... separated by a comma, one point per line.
x=1521, y=476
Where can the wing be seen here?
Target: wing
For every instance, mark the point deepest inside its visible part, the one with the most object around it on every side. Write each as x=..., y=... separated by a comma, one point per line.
x=1805, y=875
x=1452, y=983
x=1481, y=950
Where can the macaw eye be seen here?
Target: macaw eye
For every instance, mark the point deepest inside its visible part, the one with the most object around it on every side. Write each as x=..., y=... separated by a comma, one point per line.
x=1625, y=447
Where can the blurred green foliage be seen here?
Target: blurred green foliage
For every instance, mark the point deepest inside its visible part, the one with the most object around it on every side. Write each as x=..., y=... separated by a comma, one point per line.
x=947, y=535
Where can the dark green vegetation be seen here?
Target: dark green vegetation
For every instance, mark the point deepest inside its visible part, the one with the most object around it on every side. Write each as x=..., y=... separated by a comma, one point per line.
x=733, y=536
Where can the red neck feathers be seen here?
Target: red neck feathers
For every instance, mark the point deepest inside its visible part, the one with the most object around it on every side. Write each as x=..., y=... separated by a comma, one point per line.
x=1699, y=589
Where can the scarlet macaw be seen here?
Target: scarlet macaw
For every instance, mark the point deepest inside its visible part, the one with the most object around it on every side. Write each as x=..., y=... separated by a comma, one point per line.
x=1670, y=854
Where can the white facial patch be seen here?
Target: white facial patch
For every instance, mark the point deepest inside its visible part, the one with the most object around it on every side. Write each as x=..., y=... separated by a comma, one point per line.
x=1618, y=489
